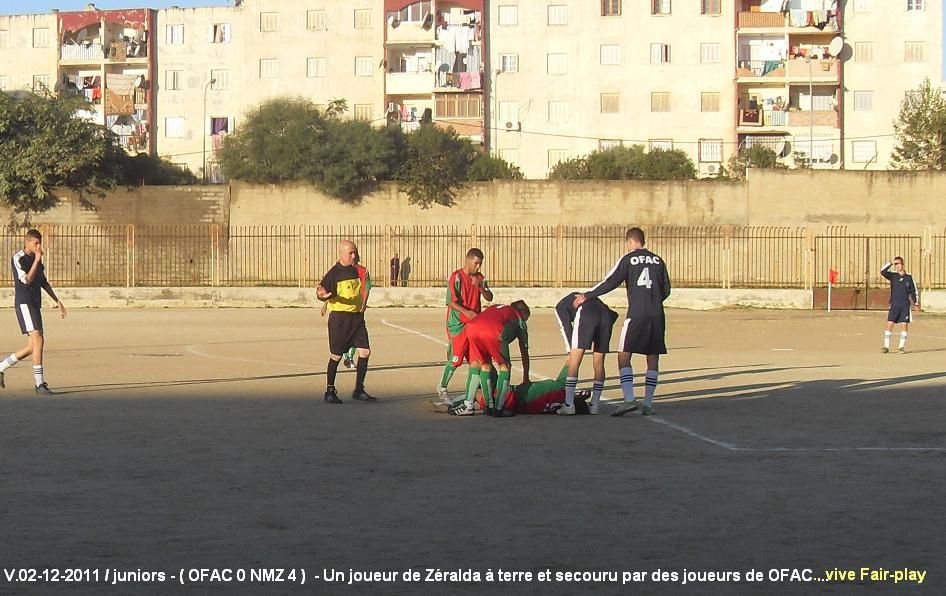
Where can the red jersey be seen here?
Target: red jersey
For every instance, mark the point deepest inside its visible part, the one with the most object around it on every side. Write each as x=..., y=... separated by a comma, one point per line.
x=460, y=289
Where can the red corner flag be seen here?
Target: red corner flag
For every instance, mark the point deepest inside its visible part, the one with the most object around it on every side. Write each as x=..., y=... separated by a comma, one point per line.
x=833, y=276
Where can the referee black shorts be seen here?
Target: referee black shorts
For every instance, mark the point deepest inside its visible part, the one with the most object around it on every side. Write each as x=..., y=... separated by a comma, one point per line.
x=643, y=335
x=30, y=318
x=900, y=314
x=346, y=330
x=591, y=329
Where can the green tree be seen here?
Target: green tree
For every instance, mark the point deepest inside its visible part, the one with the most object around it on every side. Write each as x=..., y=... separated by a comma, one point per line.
x=921, y=130
x=352, y=157
x=152, y=170
x=45, y=146
x=486, y=167
x=757, y=156
x=627, y=163
x=435, y=165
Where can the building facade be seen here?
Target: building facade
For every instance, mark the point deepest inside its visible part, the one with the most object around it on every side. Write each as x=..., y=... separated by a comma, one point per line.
x=533, y=81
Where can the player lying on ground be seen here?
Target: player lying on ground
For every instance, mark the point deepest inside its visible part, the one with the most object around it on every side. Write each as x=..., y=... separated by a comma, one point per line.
x=29, y=279
x=648, y=286
x=903, y=301
x=488, y=337
x=587, y=327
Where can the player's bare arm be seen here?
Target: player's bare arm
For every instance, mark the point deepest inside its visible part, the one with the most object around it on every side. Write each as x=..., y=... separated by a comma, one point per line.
x=31, y=274
x=322, y=293
x=524, y=355
x=62, y=308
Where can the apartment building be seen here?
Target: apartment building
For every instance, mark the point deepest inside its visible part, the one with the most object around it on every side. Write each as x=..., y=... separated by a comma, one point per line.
x=534, y=81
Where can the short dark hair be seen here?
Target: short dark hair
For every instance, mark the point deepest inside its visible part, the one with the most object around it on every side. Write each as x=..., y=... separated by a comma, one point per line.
x=522, y=307
x=34, y=233
x=475, y=253
x=895, y=259
x=635, y=233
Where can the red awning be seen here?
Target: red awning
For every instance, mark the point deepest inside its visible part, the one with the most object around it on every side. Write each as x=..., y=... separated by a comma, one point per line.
x=74, y=21
x=392, y=5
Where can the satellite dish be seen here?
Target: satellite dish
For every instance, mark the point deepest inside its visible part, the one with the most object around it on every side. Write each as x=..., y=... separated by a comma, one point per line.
x=780, y=148
x=835, y=47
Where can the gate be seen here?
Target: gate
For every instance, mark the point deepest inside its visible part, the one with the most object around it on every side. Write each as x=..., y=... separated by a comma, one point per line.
x=858, y=260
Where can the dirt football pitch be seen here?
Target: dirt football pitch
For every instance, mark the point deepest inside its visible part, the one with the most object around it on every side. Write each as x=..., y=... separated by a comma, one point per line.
x=198, y=439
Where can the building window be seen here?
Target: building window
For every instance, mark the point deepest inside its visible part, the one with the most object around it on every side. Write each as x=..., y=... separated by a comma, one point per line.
x=509, y=155
x=315, y=67
x=610, y=55
x=606, y=144
x=363, y=66
x=40, y=83
x=659, y=53
x=557, y=64
x=41, y=38
x=364, y=112
x=412, y=13
x=508, y=114
x=558, y=111
x=175, y=35
x=558, y=14
x=661, y=144
x=711, y=150
x=863, y=101
x=268, y=22
x=315, y=20
x=557, y=156
x=610, y=8
x=173, y=79
x=863, y=151
x=914, y=5
x=4, y=83
x=863, y=5
x=610, y=103
x=174, y=127
x=220, y=33
x=712, y=7
x=913, y=51
x=4, y=39
x=459, y=105
x=709, y=53
x=509, y=62
x=864, y=51
x=660, y=7
x=221, y=79
x=508, y=15
x=363, y=18
x=709, y=102
x=268, y=68
x=660, y=101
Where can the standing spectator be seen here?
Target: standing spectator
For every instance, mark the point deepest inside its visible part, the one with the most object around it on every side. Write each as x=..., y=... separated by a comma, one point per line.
x=342, y=288
x=395, y=269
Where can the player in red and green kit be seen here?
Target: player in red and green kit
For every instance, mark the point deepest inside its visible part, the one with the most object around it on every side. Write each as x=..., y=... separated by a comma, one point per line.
x=542, y=397
x=489, y=336
x=465, y=289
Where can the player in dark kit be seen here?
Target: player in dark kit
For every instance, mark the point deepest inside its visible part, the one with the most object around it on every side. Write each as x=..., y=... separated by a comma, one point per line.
x=648, y=286
x=587, y=327
x=903, y=301
x=343, y=289
x=29, y=279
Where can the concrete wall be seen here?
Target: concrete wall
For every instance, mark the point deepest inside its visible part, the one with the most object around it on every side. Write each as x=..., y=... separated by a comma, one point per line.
x=19, y=60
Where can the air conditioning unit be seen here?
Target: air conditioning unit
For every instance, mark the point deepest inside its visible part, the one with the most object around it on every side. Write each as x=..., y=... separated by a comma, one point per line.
x=709, y=169
x=514, y=126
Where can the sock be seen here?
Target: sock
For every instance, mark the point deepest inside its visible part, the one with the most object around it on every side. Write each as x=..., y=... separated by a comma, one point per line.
x=8, y=362
x=361, y=369
x=571, y=383
x=650, y=387
x=502, y=388
x=472, y=384
x=627, y=383
x=38, y=374
x=596, y=390
x=330, y=372
x=903, y=339
x=486, y=384
x=448, y=371
x=886, y=339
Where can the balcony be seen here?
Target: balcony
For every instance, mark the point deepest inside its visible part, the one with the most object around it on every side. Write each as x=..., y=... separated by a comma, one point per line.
x=128, y=51
x=820, y=71
x=798, y=21
x=409, y=83
x=762, y=20
x=761, y=70
x=757, y=120
x=818, y=118
x=410, y=32
x=82, y=53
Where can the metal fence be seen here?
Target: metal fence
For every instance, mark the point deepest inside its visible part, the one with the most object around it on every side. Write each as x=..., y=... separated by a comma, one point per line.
x=530, y=256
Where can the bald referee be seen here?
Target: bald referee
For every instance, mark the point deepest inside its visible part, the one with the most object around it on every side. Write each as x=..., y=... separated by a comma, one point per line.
x=341, y=288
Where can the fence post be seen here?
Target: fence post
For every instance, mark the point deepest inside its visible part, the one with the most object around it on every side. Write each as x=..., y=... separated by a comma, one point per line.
x=303, y=265
x=214, y=255
x=559, y=259
x=474, y=235
x=809, y=248
x=130, y=256
x=727, y=256
x=926, y=257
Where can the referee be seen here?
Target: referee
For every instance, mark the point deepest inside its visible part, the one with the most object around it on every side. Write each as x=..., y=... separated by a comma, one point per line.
x=342, y=289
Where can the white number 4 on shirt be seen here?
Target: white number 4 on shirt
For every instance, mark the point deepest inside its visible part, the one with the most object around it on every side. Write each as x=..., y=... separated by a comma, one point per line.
x=644, y=279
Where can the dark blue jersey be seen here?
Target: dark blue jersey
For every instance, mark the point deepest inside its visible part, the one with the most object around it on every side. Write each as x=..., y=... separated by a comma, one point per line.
x=647, y=281
x=28, y=293
x=565, y=311
x=902, y=288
